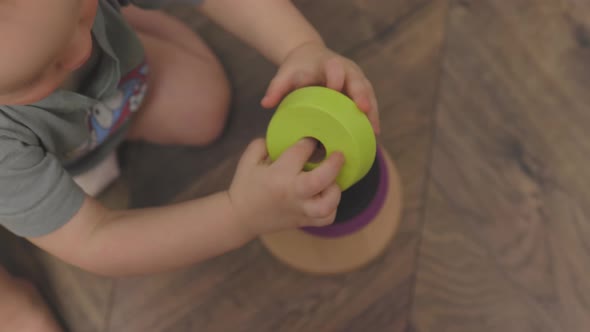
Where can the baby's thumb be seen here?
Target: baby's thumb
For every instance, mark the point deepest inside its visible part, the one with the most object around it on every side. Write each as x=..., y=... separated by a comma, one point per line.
x=279, y=86
x=255, y=153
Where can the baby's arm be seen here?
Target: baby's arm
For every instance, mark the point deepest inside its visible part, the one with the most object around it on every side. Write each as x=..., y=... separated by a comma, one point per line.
x=146, y=240
x=263, y=197
x=273, y=27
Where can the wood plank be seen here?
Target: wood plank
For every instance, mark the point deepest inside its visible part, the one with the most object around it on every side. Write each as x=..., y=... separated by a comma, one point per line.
x=505, y=244
x=80, y=299
x=248, y=290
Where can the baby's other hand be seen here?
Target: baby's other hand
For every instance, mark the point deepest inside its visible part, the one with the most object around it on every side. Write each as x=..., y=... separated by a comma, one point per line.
x=280, y=195
x=314, y=64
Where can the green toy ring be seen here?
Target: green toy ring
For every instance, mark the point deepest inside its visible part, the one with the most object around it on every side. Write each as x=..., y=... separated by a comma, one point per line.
x=331, y=118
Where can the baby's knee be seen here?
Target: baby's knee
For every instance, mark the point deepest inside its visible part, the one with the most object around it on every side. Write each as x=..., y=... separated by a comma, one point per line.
x=211, y=114
x=219, y=107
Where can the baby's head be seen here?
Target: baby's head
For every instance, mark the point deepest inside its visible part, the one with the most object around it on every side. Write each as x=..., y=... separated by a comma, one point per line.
x=41, y=43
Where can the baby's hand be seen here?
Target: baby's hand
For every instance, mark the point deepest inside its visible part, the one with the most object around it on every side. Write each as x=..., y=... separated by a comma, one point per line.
x=280, y=195
x=314, y=64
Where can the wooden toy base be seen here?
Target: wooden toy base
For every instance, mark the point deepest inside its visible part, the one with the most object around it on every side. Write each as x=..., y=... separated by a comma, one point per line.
x=322, y=255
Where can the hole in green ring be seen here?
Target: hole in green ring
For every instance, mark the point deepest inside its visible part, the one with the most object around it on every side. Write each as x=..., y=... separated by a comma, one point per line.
x=319, y=153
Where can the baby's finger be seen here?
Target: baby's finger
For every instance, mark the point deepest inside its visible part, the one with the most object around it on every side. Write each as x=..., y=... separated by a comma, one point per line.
x=312, y=183
x=279, y=86
x=304, y=78
x=372, y=97
x=294, y=158
x=358, y=90
x=374, y=113
x=323, y=207
x=335, y=74
x=255, y=153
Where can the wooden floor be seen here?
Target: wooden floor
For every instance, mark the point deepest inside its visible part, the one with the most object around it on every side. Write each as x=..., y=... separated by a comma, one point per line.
x=506, y=242
x=484, y=105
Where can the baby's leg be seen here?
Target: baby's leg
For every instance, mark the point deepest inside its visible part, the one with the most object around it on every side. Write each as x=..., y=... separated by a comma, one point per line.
x=21, y=307
x=188, y=95
x=168, y=28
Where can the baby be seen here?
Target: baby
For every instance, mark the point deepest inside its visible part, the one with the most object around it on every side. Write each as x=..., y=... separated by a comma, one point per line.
x=77, y=77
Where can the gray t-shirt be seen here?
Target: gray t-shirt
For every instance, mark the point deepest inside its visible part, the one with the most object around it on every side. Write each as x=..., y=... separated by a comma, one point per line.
x=42, y=145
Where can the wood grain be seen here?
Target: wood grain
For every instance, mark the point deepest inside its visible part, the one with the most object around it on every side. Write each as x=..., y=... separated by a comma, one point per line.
x=505, y=243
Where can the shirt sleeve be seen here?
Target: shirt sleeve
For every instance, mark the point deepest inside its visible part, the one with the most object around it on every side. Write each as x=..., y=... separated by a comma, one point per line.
x=37, y=195
x=153, y=4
